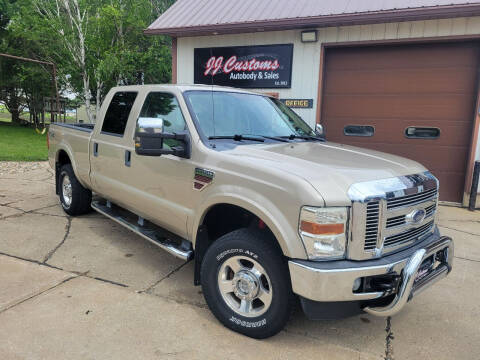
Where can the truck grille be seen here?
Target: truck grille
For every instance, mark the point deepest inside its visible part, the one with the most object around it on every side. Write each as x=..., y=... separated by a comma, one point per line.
x=371, y=227
x=407, y=236
x=409, y=200
x=385, y=214
x=401, y=219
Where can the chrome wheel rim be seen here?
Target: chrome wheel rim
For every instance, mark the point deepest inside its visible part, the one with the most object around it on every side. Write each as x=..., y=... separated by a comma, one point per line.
x=66, y=190
x=245, y=286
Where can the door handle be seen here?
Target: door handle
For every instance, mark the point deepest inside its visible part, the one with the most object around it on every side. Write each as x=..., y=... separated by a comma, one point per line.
x=128, y=157
x=95, y=149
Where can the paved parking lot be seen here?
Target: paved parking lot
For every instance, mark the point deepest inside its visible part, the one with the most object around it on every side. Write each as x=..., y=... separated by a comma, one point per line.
x=85, y=288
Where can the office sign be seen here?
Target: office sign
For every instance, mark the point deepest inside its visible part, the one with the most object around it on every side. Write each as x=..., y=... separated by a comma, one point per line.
x=298, y=103
x=266, y=66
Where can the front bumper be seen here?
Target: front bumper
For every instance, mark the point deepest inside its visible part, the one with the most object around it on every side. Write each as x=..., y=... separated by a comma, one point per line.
x=414, y=269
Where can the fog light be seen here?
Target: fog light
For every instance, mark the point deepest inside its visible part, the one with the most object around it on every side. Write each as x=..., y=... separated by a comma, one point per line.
x=356, y=284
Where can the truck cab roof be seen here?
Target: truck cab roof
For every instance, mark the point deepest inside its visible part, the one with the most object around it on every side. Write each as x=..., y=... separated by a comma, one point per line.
x=185, y=87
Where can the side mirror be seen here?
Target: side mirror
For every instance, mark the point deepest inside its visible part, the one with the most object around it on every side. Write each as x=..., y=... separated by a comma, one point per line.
x=147, y=125
x=150, y=136
x=319, y=131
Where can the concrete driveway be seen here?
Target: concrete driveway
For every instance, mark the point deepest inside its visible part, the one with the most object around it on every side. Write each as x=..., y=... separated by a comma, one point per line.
x=85, y=288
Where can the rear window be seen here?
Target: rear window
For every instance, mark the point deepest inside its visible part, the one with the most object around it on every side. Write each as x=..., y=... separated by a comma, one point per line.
x=117, y=113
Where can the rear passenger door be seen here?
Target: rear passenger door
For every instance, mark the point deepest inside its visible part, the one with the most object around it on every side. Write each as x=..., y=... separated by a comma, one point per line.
x=110, y=148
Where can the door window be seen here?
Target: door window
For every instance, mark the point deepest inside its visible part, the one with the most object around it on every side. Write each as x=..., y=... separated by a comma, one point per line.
x=117, y=113
x=415, y=132
x=165, y=106
x=358, y=130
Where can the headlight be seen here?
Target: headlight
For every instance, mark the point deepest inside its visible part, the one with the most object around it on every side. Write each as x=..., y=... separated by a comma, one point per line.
x=323, y=231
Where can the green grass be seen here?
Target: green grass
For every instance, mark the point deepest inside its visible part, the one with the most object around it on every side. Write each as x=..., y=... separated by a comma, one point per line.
x=19, y=143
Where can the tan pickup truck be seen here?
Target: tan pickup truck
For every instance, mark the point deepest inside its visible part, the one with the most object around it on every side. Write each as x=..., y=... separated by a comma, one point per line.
x=269, y=211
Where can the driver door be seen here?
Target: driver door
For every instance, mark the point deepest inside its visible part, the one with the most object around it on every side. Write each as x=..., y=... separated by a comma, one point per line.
x=162, y=185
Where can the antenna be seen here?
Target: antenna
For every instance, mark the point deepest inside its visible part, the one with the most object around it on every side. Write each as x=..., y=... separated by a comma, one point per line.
x=211, y=92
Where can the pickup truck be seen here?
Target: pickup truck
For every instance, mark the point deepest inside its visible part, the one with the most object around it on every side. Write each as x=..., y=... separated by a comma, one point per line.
x=270, y=211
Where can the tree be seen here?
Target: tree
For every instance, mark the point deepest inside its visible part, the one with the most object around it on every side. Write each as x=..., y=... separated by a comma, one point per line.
x=21, y=84
x=97, y=44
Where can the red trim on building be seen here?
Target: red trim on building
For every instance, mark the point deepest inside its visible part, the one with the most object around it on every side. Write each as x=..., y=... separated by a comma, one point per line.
x=174, y=60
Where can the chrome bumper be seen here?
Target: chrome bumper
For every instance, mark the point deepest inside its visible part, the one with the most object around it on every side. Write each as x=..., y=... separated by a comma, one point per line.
x=333, y=281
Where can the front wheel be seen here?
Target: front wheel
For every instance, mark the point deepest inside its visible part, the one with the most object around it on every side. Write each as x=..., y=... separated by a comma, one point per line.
x=246, y=283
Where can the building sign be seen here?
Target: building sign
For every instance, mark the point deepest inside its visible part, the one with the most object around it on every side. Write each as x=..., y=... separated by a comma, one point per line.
x=266, y=66
x=298, y=103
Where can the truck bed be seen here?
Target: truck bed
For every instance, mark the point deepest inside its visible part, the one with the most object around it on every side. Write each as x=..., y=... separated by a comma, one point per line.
x=75, y=139
x=77, y=126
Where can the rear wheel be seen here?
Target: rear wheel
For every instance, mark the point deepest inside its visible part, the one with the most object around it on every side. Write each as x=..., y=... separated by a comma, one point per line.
x=75, y=199
x=246, y=283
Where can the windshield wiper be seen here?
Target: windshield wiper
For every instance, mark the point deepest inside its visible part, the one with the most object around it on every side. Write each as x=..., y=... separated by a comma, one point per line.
x=236, y=137
x=303, y=137
x=278, y=138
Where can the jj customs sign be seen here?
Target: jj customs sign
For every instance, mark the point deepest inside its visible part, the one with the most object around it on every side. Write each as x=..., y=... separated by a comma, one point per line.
x=267, y=66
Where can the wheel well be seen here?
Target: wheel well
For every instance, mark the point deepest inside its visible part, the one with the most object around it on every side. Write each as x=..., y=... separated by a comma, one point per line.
x=62, y=159
x=220, y=220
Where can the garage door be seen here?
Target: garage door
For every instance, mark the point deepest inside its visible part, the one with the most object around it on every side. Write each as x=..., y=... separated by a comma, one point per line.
x=416, y=101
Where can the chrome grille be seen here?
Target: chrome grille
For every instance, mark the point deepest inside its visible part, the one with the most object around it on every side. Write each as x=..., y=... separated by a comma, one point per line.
x=430, y=210
x=409, y=200
x=396, y=221
x=383, y=214
x=401, y=219
x=371, y=227
x=409, y=235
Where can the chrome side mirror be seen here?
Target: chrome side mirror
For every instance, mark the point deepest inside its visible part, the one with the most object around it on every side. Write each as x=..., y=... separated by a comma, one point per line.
x=319, y=130
x=148, y=125
x=150, y=137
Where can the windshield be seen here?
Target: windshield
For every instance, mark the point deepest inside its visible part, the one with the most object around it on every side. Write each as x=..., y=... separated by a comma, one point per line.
x=221, y=113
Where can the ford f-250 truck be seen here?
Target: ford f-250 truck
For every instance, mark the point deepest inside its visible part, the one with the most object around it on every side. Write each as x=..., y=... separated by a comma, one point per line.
x=269, y=211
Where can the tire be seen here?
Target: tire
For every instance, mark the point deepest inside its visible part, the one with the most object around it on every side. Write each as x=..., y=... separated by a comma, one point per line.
x=247, y=250
x=77, y=200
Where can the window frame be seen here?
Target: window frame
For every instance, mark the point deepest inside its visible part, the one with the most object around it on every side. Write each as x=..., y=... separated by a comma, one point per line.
x=413, y=137
x=162, y=92
x=345, y=133
x=108, y=133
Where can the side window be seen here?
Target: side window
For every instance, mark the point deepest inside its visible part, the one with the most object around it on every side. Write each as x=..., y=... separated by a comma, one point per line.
x=117, y=113
x=165, y=106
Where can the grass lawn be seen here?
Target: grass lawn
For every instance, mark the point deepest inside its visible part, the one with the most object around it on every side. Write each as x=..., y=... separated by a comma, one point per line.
x=19, y=143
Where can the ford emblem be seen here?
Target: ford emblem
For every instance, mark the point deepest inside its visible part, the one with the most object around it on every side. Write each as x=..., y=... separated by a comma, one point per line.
x=416, y=216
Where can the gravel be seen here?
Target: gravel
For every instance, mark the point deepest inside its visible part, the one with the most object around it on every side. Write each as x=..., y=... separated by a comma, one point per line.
x=15, y=167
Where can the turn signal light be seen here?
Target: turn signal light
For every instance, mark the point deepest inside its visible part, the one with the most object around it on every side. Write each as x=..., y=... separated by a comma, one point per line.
x=322, y=229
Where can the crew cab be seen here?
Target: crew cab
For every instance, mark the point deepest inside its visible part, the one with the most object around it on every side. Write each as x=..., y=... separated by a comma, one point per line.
x=269, y=211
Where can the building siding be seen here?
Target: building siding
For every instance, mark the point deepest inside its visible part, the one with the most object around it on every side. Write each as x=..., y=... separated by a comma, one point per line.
x=305, y=75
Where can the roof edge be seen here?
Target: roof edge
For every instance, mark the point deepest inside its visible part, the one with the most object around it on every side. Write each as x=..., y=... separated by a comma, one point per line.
x=425, y=13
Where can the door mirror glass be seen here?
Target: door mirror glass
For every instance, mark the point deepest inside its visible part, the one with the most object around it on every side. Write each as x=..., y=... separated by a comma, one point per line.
x=319, y=130
x=148, y=125
x=150, y=139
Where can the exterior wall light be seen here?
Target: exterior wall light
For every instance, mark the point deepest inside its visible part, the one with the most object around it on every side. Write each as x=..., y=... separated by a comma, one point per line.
x=309, y=36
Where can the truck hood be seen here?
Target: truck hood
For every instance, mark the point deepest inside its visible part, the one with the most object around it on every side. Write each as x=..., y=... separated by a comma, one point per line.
x=329, y=167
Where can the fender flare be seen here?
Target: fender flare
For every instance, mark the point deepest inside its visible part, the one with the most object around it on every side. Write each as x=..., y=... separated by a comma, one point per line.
x=274, y=220
x=65, y=147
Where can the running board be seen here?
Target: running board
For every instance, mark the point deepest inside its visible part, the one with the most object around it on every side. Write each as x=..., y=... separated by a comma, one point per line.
x=175, y=245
